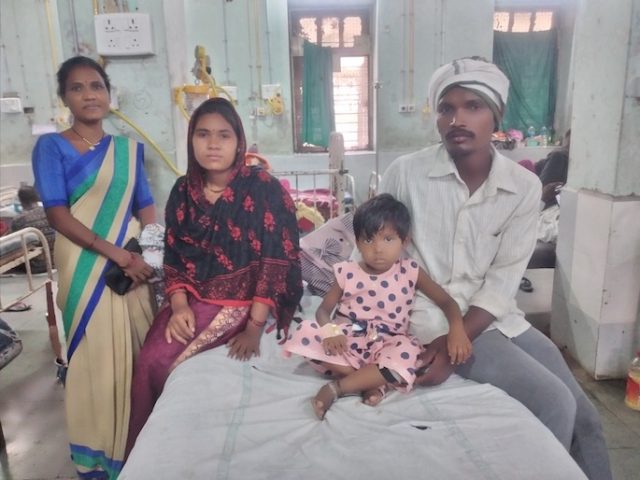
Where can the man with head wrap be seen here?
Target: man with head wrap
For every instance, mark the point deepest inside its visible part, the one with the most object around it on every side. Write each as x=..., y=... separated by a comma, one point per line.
x=474, y=228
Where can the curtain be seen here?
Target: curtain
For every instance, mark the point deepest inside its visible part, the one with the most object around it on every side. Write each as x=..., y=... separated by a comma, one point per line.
x=529, y=60
x=317, y=95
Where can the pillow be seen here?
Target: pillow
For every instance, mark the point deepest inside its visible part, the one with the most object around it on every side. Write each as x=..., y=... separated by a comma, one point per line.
x=333, y=242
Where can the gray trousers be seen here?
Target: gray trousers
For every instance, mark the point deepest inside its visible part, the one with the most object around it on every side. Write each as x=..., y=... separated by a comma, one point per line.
x=530, y=368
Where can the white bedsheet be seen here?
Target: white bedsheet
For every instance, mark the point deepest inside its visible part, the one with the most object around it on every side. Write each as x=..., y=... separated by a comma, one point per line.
x=223, y=419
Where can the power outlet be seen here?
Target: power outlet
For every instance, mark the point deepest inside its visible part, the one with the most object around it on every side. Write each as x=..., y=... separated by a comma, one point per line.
x=402, y=108
x=270, y=91
x=123, y=34
x=10, y=105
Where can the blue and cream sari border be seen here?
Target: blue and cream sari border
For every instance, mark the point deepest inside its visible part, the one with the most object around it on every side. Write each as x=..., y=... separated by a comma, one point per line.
x=91, y=460
x=111, y=218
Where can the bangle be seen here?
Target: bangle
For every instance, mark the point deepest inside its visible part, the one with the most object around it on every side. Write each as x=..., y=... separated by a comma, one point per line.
x=93, y=242
x=329, y=330
x=257, y=323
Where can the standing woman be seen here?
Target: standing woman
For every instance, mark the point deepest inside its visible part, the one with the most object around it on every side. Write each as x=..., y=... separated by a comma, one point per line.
x=231, y=257
x=96, y=196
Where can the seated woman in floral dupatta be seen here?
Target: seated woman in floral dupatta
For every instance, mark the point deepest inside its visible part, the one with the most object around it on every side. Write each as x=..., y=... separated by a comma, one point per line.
x=231, y=257
x=93, y=187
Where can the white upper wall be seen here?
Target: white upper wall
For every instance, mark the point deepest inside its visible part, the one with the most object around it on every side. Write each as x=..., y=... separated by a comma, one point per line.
x=605, y=138
x=443, y=30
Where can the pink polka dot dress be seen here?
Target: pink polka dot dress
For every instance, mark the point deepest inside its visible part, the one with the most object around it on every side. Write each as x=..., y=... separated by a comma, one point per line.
x=374, y=315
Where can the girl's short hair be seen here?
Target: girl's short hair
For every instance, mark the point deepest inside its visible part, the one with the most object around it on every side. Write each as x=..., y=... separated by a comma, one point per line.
x=379, y=211
x=74, y=62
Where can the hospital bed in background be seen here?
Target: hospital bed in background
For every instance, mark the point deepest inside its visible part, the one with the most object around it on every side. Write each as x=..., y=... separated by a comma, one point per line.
x=223, y=419
x=16, y=249
x=321, y=194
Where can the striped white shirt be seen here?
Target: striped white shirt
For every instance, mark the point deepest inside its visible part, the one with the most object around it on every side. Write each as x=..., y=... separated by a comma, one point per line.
x=477, y=247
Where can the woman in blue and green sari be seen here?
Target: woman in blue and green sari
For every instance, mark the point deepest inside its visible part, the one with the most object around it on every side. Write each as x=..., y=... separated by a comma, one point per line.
x=96, y=196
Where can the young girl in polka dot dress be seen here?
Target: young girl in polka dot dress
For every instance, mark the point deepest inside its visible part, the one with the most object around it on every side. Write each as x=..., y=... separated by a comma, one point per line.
x=367, y=344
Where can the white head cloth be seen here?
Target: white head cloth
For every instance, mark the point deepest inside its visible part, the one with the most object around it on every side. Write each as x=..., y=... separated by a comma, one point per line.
x=474, y=74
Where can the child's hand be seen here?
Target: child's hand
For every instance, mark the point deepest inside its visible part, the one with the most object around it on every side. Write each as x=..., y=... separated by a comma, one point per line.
x=244, y=345
x=458, y=345
x=335, y=345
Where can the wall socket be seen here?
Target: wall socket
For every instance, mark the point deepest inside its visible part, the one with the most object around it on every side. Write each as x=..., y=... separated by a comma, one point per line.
x=10, y=105
x=270, y=91
x=406, y=108
x=123, y=34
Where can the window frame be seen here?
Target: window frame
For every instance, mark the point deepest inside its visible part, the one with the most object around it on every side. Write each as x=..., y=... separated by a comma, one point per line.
x=296, y=59
x=533, y=10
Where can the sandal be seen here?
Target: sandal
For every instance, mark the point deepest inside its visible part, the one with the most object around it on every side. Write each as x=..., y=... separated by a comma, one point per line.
x=374, y=396
x=18, y=307
x=325, y=398
x=525, y=285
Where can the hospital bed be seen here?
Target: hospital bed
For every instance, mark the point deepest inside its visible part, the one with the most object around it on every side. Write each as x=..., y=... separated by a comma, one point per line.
x=223, y=419
x=321, y=194
x=16, y=249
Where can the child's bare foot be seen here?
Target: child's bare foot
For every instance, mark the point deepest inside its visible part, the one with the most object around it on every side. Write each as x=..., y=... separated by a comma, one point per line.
x=374, y=396
x=325, y=398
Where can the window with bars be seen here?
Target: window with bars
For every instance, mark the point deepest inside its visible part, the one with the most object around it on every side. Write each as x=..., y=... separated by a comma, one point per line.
x=347, y=33
x=521, y=21
x=525, y=49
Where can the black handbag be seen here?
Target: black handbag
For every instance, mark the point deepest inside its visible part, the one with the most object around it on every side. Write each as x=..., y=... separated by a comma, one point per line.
x=114, y=277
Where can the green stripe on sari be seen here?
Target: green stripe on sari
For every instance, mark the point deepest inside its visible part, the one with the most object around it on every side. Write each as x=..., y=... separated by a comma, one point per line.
x=101, y=227
x=82, y=189
x=91, y=462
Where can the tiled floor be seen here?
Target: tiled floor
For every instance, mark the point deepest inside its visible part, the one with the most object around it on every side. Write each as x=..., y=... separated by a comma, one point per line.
x=32, y=408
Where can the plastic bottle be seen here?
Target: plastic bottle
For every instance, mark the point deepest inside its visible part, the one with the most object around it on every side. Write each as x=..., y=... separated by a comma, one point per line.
x=531, y=133
x=632, y=396
x=544, y=136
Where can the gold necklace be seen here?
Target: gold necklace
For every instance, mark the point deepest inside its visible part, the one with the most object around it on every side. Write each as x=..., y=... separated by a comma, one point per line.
x=213, y=190
x=92, y=146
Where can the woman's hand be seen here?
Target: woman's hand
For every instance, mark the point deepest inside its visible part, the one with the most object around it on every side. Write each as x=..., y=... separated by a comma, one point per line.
x=458, y=345
x=335, y=345
x=245, y=345
x=550, y=190
x=181, y=326
x=136, y=268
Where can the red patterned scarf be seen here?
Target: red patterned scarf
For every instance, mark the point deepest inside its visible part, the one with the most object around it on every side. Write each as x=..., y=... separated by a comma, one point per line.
x=242, y=248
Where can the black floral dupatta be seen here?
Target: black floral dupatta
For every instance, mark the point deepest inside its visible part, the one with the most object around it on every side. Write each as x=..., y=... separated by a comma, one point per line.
x=242, y=248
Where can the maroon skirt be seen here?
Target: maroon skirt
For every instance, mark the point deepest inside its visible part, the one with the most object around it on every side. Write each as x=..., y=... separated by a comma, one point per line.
x=215, y=326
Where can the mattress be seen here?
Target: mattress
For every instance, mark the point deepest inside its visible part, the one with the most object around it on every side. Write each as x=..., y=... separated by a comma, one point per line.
x=223, y=419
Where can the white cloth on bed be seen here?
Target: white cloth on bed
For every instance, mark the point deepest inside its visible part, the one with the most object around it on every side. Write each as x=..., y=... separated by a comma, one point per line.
x=223, y=419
